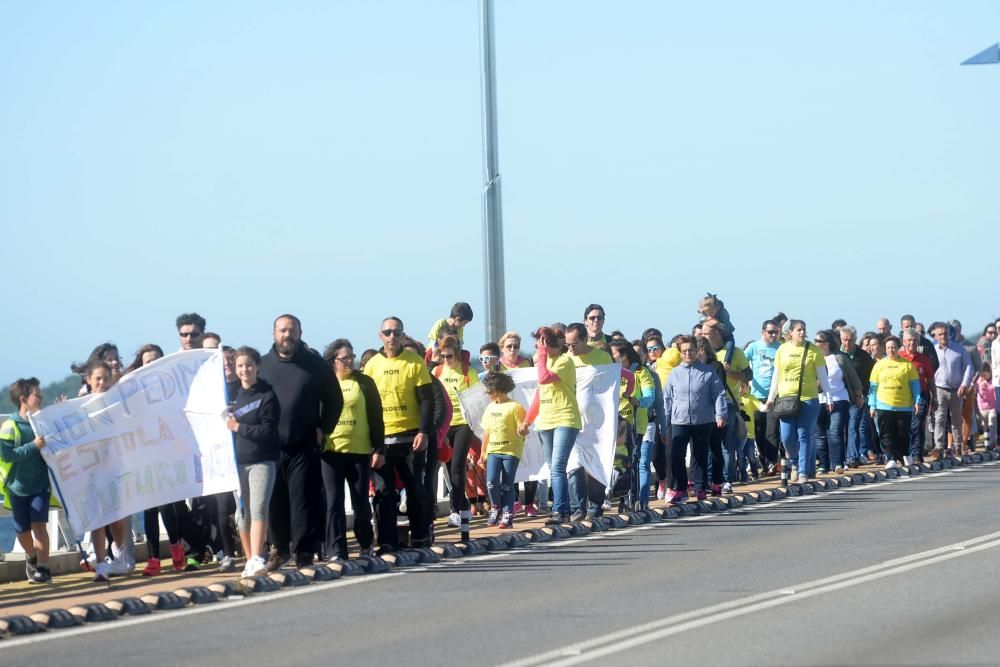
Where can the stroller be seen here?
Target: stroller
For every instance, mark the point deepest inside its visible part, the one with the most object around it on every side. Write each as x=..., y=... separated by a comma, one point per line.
x=624, y=487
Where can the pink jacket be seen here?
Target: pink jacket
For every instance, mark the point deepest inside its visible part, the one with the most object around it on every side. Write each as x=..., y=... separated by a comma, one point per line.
x=985, y=394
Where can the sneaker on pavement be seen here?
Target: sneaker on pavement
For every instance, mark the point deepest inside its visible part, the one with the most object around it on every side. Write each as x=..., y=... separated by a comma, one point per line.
x=727, y=488
x=839, y=470
x=578, y=515
x=118, y=566
x=177, y=556
x=716, y=490
x=530, y=510
x=793, y=476
x=701, y=495
x=507, y=520
x=255, y=567
x=101, y=571
x=152, y=568
x=661, y=490
x=31, y=572
x=191, y=564
x=227, y=564
x=907, y=461
x=494, y=515
x=455, y=520
x=276, y=560
x=45, y=573
x=556, y=518
x=675, y=497
x=890, y=464
x=517, y=507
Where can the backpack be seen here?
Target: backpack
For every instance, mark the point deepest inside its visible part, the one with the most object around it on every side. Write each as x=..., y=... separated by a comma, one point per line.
x=5, y=470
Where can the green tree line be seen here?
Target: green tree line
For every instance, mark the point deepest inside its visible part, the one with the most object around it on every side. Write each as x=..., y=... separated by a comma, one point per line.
x=68, y=386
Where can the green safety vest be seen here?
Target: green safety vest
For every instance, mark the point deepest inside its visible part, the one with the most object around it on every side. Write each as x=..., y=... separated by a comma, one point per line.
x=5, y=469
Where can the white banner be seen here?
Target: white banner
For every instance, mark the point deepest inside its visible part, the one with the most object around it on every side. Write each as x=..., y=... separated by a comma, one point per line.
x=597, y=389
x=158, y=435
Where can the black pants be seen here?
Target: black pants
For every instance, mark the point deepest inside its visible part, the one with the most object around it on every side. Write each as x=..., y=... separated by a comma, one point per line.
x=409, y=465
x=766, y=433
x=894, y=433
x=173, y=514
x=355, y=470
x=429, y=478
x=530, y=491
x=294, y=523
x=698, y=435
x=661, y=459
x=461, y=438
x=225, y=508
x=715, y=450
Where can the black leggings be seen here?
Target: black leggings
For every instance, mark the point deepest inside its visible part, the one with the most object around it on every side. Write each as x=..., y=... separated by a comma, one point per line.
x=225, y=508
x=894, y=432
x=355, y=469
x=461, y=439
x=530, y=491
x=173, y=515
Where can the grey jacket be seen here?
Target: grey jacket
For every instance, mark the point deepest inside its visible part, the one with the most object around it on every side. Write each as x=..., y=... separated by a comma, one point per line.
x=694, y=395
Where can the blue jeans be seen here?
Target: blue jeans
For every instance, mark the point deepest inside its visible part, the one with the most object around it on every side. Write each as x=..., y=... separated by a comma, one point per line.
x=797, y=436
x=858, y=436
x=500, y=471
x=730, y=445
x=557, y=443
x=586, y=494
x=831, y=434
x=918, y=431
x=744, y=455
x=645, y=459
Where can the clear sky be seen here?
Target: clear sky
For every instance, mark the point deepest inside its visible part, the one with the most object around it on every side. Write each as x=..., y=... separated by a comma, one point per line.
x=242, y=159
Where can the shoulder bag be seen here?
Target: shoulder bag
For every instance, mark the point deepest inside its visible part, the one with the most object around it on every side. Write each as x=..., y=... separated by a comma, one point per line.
x=789, y=406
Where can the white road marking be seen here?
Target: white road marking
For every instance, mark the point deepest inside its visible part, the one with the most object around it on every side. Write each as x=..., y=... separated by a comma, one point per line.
x=350, y=581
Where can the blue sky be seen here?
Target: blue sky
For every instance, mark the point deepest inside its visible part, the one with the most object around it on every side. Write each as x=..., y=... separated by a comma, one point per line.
x=245, y=159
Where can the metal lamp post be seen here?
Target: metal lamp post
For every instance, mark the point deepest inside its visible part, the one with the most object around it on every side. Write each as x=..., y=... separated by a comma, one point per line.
x=493, y=275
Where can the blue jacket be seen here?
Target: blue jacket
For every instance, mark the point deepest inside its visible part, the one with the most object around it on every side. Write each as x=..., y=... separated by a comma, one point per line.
x=694, y=395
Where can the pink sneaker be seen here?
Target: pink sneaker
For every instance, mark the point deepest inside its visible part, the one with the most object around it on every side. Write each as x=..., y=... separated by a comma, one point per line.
x=716, y=489
x=676, y=496
x=702, y=495
x=530, y=510
x=517, y=507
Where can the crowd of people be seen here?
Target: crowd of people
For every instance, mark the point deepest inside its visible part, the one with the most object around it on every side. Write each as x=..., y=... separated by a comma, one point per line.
x=698, y=415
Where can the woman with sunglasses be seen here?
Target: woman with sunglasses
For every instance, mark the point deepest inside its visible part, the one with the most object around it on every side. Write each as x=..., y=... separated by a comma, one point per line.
x=799, y=370
x=510, y=352
x=845, y=390
x=350, y=452
x=457, y=377
x=557, y=412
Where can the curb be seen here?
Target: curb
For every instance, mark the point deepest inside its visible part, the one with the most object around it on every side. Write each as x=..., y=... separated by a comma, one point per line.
x=92, y=613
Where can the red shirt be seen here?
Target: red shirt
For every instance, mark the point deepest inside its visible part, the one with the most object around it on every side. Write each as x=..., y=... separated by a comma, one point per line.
x=924, y=370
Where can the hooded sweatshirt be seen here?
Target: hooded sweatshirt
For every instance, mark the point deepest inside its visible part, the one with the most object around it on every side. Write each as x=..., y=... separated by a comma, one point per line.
x=258, y=413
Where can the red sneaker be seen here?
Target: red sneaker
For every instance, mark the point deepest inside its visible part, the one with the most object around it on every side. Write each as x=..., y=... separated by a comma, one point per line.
x=152, y=568
x=177, y=556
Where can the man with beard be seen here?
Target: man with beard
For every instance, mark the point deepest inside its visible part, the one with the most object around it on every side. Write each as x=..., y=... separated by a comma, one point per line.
x=310, y=400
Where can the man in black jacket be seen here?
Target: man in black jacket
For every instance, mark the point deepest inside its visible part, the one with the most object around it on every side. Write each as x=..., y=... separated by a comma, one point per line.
x=310, y=400
x=859, y=424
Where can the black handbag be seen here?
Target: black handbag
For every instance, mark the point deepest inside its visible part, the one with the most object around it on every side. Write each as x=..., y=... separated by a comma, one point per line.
x=789, y=406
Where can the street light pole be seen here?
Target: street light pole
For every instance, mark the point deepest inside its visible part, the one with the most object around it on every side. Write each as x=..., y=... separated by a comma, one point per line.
x=493, y=275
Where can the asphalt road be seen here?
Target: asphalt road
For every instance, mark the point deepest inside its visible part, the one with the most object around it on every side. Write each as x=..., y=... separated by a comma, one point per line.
x=807, y=581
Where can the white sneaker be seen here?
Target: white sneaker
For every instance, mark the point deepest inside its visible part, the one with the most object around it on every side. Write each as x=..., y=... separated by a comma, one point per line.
x=118, y=565
x=890, y=464
x=839, y=470
x=727, y=488
x=793, y=476
x=661, y=490
x=907, y=461
x=402, y=501
x=454, y=520
x=101, y=571
x=256, y=567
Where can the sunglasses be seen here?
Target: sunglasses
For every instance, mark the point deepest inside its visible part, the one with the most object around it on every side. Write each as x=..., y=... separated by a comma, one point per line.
x=653, y=348
x=392, y=332
x=349, y=359
x=447, y=356
x=188, y=334
x=512, y=347
x=597, y=318
x=487, y=359
x=772, y=332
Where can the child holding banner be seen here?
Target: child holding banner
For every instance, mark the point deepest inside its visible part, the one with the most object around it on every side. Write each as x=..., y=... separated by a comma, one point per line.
x=503, y=442
x=25, y=480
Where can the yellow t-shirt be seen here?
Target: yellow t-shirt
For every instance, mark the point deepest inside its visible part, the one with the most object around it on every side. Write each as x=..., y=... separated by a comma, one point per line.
x=668, y=361
x=500, y=420
x=596, y=357
x=456, y=383
x=557, y=400
x=893, y=378
x=351, y=435
x=750, y=405
x=788, y=361
x=739, y=364
x=397, y=380
x=435, y=331
x=625, y=409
